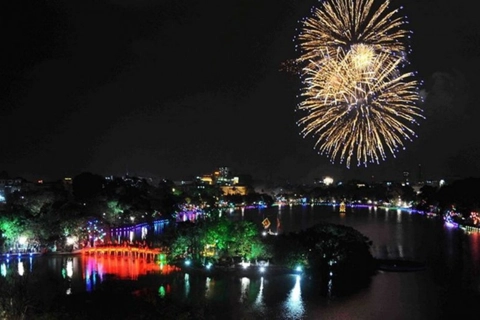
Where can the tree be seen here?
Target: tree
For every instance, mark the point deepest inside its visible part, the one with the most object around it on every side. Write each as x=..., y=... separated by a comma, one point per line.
x=242, y=237
x=86, y=186
x=217, y=233
x=11, y=228
x=180, y=246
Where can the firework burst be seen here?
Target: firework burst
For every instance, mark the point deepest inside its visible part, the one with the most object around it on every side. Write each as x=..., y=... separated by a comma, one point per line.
x=359, y=111
x=340, y=24
x=358, y=103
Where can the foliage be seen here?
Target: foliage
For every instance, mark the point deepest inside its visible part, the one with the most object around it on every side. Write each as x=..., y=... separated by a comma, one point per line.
x=289, y=251
x=216, y=233
x=242, y=235
x=229, y=238
x=87, y=186
x=324, y=247
x=11, y=228
x=180, y=246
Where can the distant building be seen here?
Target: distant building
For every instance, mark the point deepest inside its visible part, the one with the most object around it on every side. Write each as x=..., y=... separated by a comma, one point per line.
x=67, y=183
x=234, y=190
x=8, y=186
x=206, y=179
x=433, y=183
x=224, y=172
x=229, y=184
x=221, y=177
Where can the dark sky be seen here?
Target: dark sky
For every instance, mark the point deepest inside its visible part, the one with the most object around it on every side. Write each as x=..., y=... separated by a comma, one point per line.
x=175, y=88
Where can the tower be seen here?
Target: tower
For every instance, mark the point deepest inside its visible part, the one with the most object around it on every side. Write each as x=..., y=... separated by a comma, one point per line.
x=419, y=173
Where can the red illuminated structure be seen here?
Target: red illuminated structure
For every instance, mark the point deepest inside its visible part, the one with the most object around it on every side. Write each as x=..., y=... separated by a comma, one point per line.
x=121, y=261
x=128, y=251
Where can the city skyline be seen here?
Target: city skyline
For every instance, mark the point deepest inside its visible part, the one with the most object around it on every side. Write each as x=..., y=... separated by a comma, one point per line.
x=175, y=89
x=241, y=178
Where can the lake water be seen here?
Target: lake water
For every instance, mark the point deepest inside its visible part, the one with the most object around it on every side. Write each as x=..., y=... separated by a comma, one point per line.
x=448, y=287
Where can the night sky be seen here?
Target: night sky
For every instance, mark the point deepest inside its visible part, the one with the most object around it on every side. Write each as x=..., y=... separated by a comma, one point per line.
x=176, y=88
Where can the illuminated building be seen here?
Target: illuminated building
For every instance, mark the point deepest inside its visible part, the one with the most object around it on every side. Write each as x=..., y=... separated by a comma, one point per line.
x=234, y=190
x=221, y=177
x=8, y=185
x=224, y=179
x=67, y=183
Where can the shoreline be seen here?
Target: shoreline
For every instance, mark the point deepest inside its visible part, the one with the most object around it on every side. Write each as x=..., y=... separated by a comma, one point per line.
x=387, y=265
x=240, y=271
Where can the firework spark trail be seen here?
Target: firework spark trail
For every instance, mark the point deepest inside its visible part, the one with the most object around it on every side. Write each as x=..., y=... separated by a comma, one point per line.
x=359, y=111
x=358, y=101
x=339, y=24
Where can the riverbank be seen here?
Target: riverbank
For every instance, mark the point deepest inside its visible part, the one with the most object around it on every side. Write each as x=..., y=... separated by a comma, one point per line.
x=238, y=270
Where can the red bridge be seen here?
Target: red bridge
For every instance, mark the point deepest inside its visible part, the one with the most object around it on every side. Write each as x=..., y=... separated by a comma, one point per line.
x=126, y=251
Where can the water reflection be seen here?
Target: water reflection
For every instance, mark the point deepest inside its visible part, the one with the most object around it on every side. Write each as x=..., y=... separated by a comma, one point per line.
x=245, y=285
x=400, y=251
x=451, y=256
x=161, y=291
x=208, y=287
x=123, y=268
x=69, y=268
x=294, y=306
x=18, y=266
x=3, y=269
x=21, y=269
x=93, y=274
x=475, y=250
x=259, y=299
x=187, y=284
x=68, y=274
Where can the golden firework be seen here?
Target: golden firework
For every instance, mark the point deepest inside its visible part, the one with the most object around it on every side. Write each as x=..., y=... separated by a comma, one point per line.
x=340, y=24
x=360, y=106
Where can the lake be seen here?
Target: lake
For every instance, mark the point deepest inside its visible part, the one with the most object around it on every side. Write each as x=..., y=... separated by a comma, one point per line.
x=448, y=287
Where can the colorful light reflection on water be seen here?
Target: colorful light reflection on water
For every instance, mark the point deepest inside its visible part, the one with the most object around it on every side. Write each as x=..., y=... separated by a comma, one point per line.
x=294, y=304
x=452, y=257
x=19, y=265
x=95, y=269
x=89, y=270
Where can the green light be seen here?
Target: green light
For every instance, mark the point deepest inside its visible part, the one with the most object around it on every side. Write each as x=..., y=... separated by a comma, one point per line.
x=161, y=292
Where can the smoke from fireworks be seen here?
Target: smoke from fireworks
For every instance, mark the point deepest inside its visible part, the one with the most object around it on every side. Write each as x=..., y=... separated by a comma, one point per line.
x=358, y=102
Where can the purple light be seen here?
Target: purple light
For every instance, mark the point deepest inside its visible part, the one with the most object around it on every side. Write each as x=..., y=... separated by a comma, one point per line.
x=451, y=224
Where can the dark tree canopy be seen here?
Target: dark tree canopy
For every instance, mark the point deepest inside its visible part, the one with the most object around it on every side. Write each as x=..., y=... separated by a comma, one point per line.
x=87, y=186
x=328, y=248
